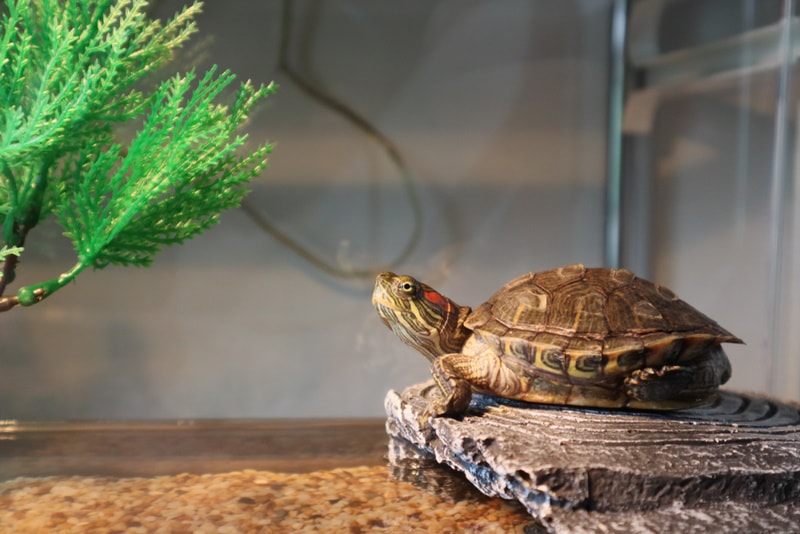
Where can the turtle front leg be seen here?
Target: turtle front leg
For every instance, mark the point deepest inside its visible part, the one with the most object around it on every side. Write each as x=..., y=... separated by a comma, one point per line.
x=456, y=390
x=458, y=374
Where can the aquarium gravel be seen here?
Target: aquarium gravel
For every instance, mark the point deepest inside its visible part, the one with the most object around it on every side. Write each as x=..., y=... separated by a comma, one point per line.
x=351, y=500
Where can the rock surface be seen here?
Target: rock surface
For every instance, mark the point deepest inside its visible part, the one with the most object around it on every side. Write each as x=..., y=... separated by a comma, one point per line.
x=732, y=465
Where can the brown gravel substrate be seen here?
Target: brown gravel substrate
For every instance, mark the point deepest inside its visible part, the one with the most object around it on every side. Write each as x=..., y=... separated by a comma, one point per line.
x=352, y=500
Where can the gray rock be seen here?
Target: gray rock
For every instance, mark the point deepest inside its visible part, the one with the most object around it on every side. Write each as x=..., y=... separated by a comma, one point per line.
x=731, y=464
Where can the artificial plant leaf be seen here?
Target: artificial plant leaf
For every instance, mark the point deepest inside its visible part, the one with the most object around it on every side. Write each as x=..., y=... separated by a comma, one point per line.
x=180, y=171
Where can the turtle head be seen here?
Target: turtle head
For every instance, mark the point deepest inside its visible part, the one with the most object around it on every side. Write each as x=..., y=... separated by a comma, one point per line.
x=421, y=316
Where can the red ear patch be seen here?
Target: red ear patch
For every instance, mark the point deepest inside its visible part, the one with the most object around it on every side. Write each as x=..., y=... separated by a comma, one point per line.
x=435, y=298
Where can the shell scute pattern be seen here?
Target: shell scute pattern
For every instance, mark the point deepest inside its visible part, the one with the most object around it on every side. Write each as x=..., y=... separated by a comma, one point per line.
x=552, y=360
x=554, y=279
x=580, y=324
x=625, y=362
x=579, y=309
x=479, y=316
x=627, y=311
x=587, y=360
x=525, y=307
x=609, y=281
x=517, y=347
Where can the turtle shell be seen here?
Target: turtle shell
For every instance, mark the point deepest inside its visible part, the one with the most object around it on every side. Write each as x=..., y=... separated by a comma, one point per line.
x=581, y=324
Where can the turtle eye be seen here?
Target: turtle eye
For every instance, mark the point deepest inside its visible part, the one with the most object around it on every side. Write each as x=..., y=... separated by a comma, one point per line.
x=406, y=287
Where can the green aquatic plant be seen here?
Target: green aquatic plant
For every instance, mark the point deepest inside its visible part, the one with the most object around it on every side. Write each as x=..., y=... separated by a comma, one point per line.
x=71, y=72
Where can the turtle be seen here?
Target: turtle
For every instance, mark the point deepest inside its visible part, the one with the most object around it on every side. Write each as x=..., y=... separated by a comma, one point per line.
x=578, y=336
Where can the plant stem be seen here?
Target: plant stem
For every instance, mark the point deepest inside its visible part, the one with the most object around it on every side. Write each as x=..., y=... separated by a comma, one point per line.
x=7, y=270
x=22, y=216
x=29, y=295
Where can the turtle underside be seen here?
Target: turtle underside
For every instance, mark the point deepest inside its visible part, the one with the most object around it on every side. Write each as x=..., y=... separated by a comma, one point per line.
x=600, y=337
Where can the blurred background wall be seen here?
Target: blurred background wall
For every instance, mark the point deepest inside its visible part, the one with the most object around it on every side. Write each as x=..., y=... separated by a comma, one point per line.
x=500, y=111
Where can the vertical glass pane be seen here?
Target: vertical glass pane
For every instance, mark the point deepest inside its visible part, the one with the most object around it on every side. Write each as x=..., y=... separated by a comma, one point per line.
x=719, y=156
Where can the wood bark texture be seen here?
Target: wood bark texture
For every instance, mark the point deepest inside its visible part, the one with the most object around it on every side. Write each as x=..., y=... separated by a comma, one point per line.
x=733, y=465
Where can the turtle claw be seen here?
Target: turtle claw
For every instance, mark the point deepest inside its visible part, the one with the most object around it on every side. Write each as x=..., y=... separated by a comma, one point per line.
x=436, y=408
x=658, y=384
x=453, y=405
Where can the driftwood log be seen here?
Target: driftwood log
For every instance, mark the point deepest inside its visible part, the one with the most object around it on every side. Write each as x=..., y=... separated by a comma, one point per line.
x=732, y=466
